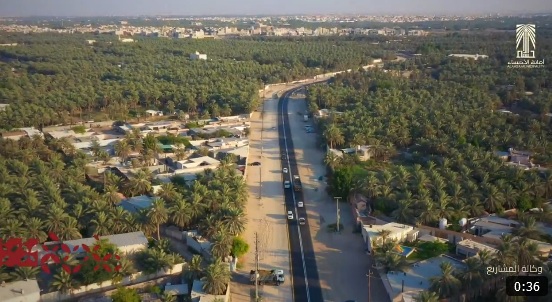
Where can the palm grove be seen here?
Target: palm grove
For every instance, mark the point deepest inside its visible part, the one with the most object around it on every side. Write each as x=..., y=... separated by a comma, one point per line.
x=52, y=79
x=44, y=189
x=434, y=133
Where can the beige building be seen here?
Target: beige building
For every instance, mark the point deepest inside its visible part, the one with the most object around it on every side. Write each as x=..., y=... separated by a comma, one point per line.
x=396, y=231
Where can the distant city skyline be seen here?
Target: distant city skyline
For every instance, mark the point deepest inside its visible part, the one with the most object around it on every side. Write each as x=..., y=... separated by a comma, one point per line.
x=96, y=8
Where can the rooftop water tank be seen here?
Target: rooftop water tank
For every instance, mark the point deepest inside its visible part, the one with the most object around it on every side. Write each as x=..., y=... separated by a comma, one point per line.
x=442, y=223
x=463, y=222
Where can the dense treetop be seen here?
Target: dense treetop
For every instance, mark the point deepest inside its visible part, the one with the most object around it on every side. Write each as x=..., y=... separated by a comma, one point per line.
x=50, y=77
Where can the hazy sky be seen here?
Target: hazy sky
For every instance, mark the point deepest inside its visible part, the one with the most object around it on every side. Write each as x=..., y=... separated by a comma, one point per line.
x=238, y=7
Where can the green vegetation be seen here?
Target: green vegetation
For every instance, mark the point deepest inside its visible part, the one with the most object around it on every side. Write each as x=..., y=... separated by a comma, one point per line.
x=426, y=250
x=124, y=294
x=171, y=139
x=239, y=247
x=58, y=78
x=432, y=135
x=81, y=129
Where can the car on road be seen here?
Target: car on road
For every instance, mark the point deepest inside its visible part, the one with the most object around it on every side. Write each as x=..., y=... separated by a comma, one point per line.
x=290, y=215
x=302, y=221
x=300, y=204
x=308, y=126
x=284, y=156
x=287, y=184
x=284, y=170
x=310, y=131
x=255, y=163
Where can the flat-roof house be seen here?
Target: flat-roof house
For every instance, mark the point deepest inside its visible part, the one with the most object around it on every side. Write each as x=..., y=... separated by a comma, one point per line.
x=405, y=286
x=198, y=56
x=154, y=113
x=470, y=248
x=199, y=295
x=3, y=106
x=20, y=291
x=127, y=243
x=13, y=135
x=196, y=162
x=468, y=56
x=397, y=231
x=137, y=203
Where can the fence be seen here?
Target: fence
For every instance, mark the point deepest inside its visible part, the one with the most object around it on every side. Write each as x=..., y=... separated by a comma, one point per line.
x=109, y=285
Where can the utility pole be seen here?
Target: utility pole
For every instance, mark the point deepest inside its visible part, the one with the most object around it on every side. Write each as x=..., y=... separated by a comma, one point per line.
x=369, y=289
x=256, y=267
x=337, y=212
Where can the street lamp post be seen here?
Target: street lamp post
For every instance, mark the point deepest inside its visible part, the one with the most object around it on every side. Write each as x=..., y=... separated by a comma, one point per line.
x=337, y=212
x=369, y=275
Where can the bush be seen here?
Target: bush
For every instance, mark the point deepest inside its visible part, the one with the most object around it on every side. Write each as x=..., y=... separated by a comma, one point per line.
x=125, y=295
x=81, y=129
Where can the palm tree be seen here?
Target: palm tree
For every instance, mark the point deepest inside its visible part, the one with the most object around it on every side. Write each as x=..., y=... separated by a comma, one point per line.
x=140, y=183
x=446, y=285
x=234, y=220
x=333, y=135
x=158, y=214
x=217, y=277
x=222, y=245
x=122, y=150
x=169, y=192
x=63, y=282
x=25, y=273
x=471, y=275
x=404, y=212
x=194, y=269
x=332, y=160
x=427, y=296
x=180, y=213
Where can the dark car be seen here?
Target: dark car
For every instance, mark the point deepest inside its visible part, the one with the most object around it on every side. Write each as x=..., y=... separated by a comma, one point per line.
x=255, y=163
x=284, y=156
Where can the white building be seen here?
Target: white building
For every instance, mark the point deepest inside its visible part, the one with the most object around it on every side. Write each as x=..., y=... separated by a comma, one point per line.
x=198, y=56
x=154, y=113
x=468, y=56
x=20, y=291
x=127, y=243
x=397, y=231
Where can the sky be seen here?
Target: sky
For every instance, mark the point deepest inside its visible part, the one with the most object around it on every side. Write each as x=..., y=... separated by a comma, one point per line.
x=20, y=8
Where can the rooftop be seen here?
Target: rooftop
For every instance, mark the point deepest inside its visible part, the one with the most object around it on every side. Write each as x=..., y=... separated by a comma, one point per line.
x=136, y=203
x=20, y=291
x=476, y=246
x=119, y=240
x=393, y=227
x=416, y=278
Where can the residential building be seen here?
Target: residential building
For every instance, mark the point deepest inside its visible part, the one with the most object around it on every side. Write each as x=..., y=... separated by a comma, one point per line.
x=405, y=286
x=154, y=113
x=137, y=203
x=20, y=291
x=468, y=56
x=196, y=162
x=13, y=135
x=127, y=243
x=470, y=248
x=363, y=152
x=198, y=56
x=199, y=295
x=396, y=231
x=3, y=106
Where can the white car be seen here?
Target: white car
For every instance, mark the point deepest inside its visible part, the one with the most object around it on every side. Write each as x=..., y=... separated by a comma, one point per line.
x=302, y=221
x=300, y=204
x=287, y=184
x=284, y=170
x=290, y=215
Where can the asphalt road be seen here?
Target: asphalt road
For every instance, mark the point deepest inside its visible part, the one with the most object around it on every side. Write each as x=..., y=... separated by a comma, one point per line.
x=306, y=283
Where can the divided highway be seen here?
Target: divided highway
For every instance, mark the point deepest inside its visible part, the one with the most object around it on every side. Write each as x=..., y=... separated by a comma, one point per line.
x=306, y=283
